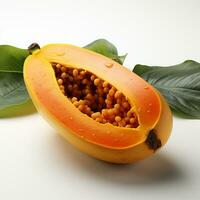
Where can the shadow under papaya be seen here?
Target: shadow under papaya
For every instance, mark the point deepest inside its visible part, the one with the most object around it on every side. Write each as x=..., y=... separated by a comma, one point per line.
x=158, y=169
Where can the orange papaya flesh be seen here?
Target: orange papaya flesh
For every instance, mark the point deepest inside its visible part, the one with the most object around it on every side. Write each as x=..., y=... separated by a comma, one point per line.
x=59, y=79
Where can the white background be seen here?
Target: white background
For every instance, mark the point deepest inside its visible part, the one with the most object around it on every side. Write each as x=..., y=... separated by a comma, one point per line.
x=35, y=163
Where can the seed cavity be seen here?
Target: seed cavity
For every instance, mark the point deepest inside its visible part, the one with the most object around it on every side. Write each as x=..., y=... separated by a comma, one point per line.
x=95, y=97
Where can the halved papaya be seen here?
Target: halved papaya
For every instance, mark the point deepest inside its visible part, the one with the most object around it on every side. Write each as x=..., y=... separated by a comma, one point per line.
x=99, y=106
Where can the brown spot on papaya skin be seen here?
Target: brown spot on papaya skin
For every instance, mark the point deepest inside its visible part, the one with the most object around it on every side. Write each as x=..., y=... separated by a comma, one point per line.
x=153, y=141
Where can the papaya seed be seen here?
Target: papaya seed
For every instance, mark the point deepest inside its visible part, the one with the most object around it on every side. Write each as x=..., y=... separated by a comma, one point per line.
x=117, y=118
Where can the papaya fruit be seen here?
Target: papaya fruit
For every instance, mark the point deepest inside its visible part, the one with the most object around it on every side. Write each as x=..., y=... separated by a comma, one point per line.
x=96, y=104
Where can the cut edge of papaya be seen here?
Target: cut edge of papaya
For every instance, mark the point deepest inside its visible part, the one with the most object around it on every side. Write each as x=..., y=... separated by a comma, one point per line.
x=77, y=57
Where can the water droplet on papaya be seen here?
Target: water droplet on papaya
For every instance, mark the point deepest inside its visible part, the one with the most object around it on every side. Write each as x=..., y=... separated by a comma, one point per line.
x=109, y=65
x=108, y=132
x=62, y=53
x=93, y=134
x=148, y=111
x=116, y=139
x=80, y=129
x=146, y=88
x=71, y=118
x=150, y=104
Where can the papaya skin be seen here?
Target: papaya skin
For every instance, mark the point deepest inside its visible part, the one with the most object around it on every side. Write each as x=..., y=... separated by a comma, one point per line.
x=102, y=141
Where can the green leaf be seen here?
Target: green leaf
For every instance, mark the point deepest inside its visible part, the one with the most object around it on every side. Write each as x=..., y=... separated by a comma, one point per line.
x=107, y=49
x=179, y=84
x=12, y=88
x=26, y=108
